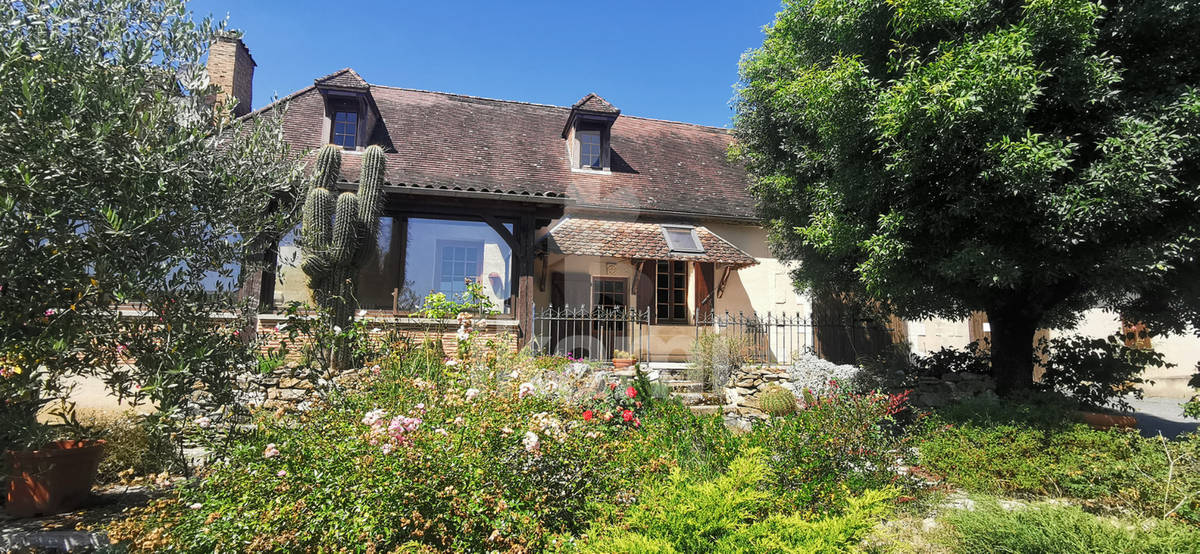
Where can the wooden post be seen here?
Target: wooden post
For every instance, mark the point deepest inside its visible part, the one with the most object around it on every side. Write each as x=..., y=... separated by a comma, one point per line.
x=523, y=291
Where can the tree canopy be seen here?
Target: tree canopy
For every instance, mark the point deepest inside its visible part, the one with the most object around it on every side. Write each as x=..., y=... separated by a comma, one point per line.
x=121, y=183
x=1029, y=159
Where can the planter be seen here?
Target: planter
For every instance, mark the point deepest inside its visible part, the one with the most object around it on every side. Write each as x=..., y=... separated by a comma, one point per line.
x=622, y=363
x=55, y=479
x=1103, y=421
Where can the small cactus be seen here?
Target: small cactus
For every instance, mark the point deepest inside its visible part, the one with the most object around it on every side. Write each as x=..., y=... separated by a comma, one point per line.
x=777, y=401
x=339, y=233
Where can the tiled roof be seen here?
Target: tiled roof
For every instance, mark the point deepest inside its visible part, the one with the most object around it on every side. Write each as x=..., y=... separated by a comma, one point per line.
x=593, y=103
x=454, y=142
x=635, y=240
x=343, y=78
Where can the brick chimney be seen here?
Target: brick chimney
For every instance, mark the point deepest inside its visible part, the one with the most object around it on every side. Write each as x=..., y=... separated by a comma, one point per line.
x=231, y=68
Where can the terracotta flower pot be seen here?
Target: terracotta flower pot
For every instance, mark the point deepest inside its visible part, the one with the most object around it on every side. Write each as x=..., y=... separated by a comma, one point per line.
x=53, y=479
x=622, y=363
x=1104, y=421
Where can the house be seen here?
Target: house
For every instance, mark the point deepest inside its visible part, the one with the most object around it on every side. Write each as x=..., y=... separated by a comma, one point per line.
x=590, y=229
x=617, y=231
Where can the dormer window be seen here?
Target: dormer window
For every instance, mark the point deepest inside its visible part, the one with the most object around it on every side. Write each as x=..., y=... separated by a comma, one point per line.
x=590, y=154
x=345, y=129
x=589, y=132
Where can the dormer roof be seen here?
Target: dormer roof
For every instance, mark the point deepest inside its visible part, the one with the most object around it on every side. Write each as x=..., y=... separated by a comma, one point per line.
x=594, y=103
x=344, y=78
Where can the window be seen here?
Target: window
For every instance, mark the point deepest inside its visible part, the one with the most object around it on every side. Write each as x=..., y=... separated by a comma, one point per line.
x=682, y=239
x=345, y=129
x=589, y=149
x=458, y=263
x=440, y=255
x=671, y=293
x=609, y=293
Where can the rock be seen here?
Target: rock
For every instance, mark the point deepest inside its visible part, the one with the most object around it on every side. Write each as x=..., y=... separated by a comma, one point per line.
x=290, y=395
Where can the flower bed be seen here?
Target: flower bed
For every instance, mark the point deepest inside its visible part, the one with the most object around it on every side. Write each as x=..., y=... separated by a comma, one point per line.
x=529, y=457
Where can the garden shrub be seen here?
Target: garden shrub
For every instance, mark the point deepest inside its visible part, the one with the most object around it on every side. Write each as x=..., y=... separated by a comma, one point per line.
x=442, y=461
x=1031, y=450
x=1059, y=529
x=715, y=356
x=735, y=512
x=1097, y=371
x=840, y=441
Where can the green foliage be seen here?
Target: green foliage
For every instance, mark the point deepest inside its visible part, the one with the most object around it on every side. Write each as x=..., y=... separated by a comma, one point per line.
x=778, y=401
x=1030, y=160
x=1097, y=372
x=1036, y=450
x=1058, y=529
x=123, y=185
x=733, y=513
x=841, y=441
x=473, y=300
x=714, y=357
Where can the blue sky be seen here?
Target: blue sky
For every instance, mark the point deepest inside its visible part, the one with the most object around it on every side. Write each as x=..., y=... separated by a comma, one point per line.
x=662, y=59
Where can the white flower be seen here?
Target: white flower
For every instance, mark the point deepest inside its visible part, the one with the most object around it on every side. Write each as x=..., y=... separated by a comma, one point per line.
x=451, y=363
x=373, y=416
x=506, y=431
x=514, y=374
x=531, y=441
x=463, y=334
x=196, y=506
x=376, y=331
x=203, y=422
x=471, y=394
x=361, y=313
x=337, y=329
x=386, y=448
x=281, y=327
x=270, y=451
x=441, y=432
x=526, y=389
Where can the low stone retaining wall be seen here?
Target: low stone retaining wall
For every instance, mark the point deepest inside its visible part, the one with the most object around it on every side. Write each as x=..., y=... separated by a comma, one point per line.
x=272, y=329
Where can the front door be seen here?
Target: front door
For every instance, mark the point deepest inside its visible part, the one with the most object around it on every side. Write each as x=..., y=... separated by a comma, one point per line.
x=610, y=305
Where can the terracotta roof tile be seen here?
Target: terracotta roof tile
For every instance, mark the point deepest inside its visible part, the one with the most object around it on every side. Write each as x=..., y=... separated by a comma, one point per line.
x=343, y=78
x=635, y=240
x=449, y=141
x=594, y=103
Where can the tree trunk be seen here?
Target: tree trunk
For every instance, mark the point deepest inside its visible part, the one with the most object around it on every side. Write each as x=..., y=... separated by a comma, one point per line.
x=1013, y=328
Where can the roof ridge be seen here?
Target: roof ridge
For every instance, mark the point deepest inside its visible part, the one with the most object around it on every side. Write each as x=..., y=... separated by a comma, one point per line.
x=541, y=105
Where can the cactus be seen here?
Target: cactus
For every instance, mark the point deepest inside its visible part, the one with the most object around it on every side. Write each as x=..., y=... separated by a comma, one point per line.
x=339, y=233
x=777, y=401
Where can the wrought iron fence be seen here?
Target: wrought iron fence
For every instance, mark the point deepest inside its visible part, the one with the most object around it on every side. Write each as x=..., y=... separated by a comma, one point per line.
x=768, y=338
x=590, y=333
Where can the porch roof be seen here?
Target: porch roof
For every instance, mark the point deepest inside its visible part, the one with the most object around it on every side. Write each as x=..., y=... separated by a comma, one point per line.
x=636, y=240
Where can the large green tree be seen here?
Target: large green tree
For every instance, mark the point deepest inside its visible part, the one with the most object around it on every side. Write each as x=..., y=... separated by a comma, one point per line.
x=122, y=184
x=1028, y=159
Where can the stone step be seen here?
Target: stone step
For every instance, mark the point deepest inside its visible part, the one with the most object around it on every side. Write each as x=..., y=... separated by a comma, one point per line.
x=698, y=398
x=685, y=386
x=705, y=410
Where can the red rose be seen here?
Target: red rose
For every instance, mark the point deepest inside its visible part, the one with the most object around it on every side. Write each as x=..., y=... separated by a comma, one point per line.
x=627, y=415
x=631, y=392
x=587, y=415
x=612, y=386
x=638, y=403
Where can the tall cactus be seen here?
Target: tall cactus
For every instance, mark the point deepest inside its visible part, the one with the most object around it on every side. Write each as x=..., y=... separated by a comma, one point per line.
x=339, y=233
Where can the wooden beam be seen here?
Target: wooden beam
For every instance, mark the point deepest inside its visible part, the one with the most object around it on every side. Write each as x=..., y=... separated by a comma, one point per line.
x=501, y=230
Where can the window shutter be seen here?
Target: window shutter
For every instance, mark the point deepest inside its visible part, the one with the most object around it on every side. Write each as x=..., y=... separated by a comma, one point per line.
x=645, y=288
x=558, y=289
x=704, y=290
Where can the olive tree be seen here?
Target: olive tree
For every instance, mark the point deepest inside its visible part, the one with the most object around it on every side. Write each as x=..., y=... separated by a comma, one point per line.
x=1030, y=159
x=122, y=185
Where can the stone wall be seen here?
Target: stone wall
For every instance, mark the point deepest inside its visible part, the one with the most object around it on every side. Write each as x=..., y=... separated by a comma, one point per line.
x=272, y=328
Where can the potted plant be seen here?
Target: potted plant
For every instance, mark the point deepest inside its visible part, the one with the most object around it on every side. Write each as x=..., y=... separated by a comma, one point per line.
x=623, y=359
x=44, y=473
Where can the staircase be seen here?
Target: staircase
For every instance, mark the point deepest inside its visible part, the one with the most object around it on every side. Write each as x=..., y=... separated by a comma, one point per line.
x=690, y=393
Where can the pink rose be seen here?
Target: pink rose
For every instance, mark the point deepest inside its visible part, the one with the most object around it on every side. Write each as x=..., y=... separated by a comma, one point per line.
x=270, y=451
